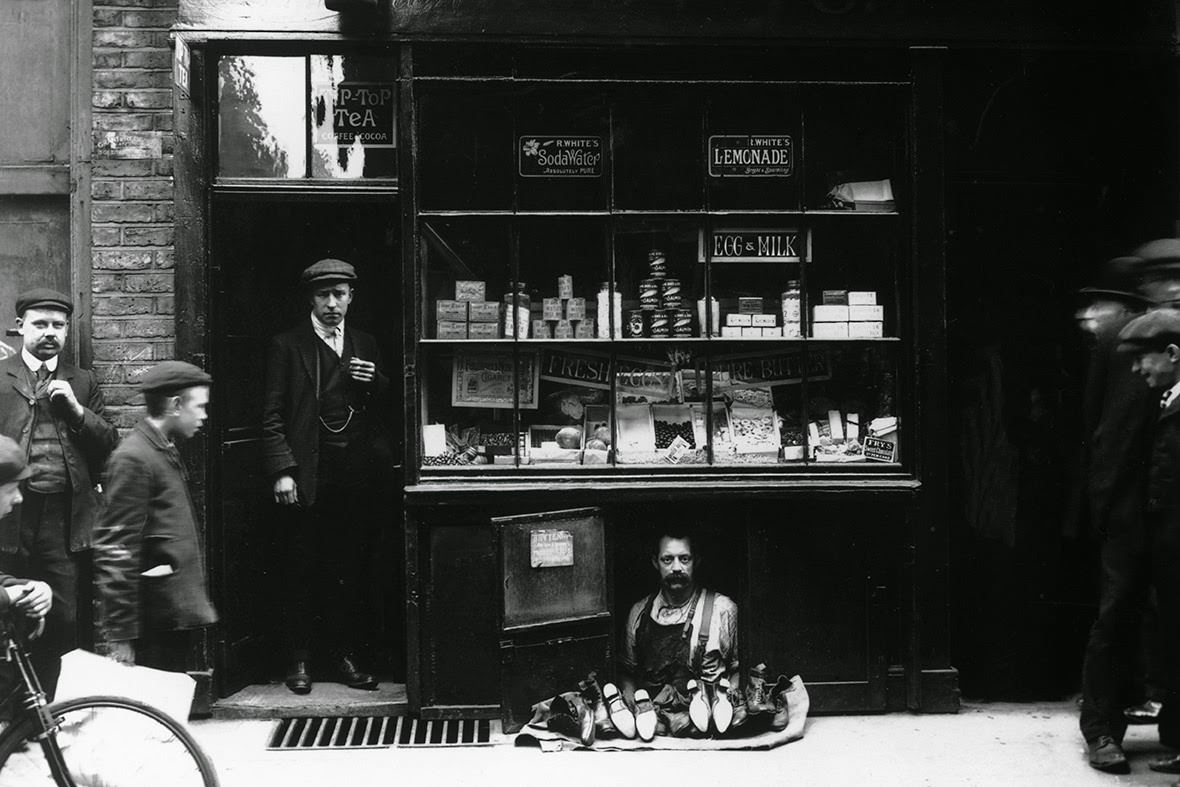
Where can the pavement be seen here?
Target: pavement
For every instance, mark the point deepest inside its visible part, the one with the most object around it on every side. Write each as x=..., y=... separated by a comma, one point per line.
x=1008, y=744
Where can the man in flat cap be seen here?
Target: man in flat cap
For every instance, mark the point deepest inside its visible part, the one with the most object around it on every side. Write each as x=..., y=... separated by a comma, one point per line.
x=326, y=454
x=54, y=410
x=1139, y=558
x=149, y=567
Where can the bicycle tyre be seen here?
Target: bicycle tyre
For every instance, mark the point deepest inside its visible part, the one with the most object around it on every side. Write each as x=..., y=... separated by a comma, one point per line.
x=19, y=738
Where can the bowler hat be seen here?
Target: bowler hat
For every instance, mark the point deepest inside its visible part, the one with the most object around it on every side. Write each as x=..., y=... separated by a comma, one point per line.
x=172, y=376
x=328, y=270
x=1118, y=281
x=13, y=466
x=1156, y=329
x=43, y=298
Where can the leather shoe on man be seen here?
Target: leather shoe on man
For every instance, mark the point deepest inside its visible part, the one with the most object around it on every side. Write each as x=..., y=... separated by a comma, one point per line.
x=298, y=679
x=353, y=677
x=1166, y=765
x=1144, y=713
x=1107, y=756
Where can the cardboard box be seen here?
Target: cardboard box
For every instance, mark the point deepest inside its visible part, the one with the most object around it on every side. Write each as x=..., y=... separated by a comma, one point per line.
x=451, y=310
x=575, y=309
x=541, y=330
x=866, y=330
x=584, y=329
x=551, y=309
x=748, y=333
x=829, y=313
x=730, y=332
x=452, y=329
x=749, y=305
x=483, y=311
x=829, y=330
x=835, y=297
x=862, y=298
x=471, y=290
x=792, y=330
x=739, y=320
x=764, y=320
x=563, y=330
x=483, y=330
x=772, y=332
x=868, y=313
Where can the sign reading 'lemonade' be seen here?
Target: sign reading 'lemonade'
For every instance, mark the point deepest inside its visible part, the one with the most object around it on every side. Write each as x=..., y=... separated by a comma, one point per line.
x=751, y=156
x=560, y=157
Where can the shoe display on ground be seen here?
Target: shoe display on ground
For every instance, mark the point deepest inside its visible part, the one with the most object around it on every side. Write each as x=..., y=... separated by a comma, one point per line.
x=645, y=715
x=798, y=705
x=1165, y=765
x=1107, y=756
x=698, y=705
x=778, y=694
x=298, y=678
x=592, y=695
x=620, y=715
x=563, y=718
x=757, y=692
x=353, y=676
x=737, y=698
x=722, y=707
x=1144, y=713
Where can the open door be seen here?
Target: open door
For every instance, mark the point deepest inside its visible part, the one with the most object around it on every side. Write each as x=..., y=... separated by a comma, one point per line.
x=260, y=245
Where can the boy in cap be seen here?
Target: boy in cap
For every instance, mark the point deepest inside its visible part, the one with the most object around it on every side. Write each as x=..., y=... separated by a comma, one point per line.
x=54, y=411
x=149, y=566
x=1148, y=556
x=325, y=452
x=30, y=597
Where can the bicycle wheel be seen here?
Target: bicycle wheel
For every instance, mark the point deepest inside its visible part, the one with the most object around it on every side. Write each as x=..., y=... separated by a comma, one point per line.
x=107, y=742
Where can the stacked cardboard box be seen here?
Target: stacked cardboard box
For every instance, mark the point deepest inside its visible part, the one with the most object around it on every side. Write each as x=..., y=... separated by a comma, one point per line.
x=848, y=314
x=470, y=315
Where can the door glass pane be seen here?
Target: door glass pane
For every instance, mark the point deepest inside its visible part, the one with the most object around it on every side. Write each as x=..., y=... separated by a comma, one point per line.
x=353, y=109
x=262, y=117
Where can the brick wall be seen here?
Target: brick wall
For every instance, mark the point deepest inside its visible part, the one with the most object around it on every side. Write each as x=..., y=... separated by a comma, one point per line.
x=133, y=323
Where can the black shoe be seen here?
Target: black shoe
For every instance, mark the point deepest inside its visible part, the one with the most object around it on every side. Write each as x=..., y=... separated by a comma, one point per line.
x=298, y=678
x=353, y=677
x=1107, y=756
x=1144, y=713
x=1166, y=765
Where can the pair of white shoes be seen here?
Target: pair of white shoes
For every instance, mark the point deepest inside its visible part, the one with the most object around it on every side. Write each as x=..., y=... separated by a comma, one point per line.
x=640, y=722
x=702, y=709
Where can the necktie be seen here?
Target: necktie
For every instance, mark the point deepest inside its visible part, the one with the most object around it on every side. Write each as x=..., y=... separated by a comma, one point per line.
x=42, y=373
x=333, y=337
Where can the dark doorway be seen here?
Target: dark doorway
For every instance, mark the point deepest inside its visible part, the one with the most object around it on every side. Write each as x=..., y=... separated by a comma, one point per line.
x=260, y=245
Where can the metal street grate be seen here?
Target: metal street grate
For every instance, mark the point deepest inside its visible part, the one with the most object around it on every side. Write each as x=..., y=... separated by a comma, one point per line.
x=305, y=733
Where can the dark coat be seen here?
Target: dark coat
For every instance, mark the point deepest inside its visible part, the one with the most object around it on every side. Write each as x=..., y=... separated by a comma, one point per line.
x=1119, y=412
x=149, y=521
x=290, y=416
x=1163, y=489
x=85, y=447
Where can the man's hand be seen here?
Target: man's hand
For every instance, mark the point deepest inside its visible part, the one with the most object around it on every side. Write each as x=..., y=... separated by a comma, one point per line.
x=286, y=492
x=32, y=598
x=361, y=371
x=60, y=391
x=122, y=652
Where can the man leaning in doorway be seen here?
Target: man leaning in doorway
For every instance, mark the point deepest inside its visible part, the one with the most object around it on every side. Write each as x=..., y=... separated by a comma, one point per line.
x=149, y=566
x=54, y=410
x=326, y=454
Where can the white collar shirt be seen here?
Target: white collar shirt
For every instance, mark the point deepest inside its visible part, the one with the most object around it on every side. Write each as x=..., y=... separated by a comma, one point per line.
x=34, y=363
x=333, y=336
x=1170, y=395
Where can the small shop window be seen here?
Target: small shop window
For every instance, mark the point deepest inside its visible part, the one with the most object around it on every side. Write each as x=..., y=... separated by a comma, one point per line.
x=309, y=116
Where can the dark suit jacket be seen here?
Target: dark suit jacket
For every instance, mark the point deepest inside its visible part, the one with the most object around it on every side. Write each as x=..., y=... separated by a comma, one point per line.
x=85, y=446
x=149, y=521
x=290, y=416
x=1163, y=490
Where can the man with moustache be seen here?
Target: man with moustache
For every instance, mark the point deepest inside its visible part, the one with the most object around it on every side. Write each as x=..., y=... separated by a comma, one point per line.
x=54, y=411
x=326, y=454
x=149, y=566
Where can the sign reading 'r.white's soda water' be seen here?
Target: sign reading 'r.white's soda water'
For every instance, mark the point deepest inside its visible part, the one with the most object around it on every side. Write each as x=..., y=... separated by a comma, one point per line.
x=751, y=156
x=560, y=156
x=754, y=245
x=878, y=450
x=353, y=112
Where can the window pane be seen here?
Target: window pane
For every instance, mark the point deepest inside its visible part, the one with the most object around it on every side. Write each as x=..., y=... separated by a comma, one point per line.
x=262, y=119
x=659, y=406
x=853, y=415
x=353, y=108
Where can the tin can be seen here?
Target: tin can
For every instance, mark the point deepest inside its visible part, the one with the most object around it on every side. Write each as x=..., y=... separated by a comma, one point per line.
x=670, y=293
x=565, y=287
x=681, y=323
x=636, y=324
x=657, y=264
x=649, y=294
x=660, y=327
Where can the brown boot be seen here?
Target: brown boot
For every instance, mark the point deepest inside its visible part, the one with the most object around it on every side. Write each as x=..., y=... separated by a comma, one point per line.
x=758, y=699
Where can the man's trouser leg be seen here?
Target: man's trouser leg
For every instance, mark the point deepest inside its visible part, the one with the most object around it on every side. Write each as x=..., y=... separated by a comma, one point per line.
x=1165, y=553
x=1113, y=639
x=344, y=515
x=299, y=610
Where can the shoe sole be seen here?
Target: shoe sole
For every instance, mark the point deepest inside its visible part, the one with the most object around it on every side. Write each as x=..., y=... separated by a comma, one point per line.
x=645, y=727
x=1164, y=768
x=1115, y=768
x=722, y=717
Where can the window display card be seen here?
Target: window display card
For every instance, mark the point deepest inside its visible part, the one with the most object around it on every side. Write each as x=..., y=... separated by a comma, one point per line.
x=434, y=439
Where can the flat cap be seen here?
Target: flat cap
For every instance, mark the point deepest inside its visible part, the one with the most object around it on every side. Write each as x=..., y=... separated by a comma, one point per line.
x=328, y=270
x=43, y=298
x=1157, y=328
x=13, y=466
x=172, y=376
